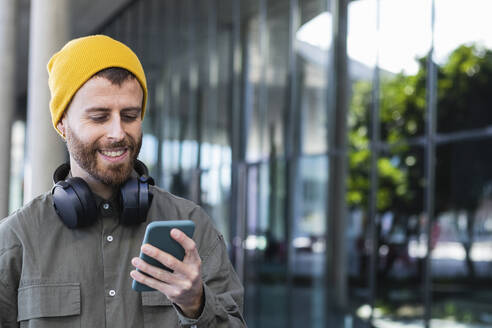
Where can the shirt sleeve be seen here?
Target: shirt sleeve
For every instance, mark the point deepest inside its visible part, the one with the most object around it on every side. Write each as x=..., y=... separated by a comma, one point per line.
x=10, y=267
x=223, y=291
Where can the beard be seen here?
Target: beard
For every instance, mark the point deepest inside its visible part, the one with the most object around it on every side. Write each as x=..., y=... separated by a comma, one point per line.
x=86, y=156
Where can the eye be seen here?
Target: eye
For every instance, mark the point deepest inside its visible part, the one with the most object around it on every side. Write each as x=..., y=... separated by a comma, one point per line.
x=129, y=117
x=98, y=118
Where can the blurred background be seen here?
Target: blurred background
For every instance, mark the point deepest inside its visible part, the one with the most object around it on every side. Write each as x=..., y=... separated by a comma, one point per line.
x=342, y=147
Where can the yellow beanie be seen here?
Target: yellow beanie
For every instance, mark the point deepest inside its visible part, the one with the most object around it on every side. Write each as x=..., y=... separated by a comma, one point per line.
x=79, y=60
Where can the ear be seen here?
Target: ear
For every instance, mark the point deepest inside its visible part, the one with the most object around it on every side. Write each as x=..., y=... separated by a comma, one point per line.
x=61, y=125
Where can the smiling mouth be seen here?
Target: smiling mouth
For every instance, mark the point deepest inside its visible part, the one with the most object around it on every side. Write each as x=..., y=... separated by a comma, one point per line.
x=113, y=153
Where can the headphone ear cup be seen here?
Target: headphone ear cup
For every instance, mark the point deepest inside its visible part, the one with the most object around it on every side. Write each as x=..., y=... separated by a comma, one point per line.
x=144, y=198
x=74, y=203
x=134, y=196
x=61, y=172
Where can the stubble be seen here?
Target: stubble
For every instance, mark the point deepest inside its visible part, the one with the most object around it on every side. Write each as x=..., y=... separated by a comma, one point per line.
x=87, y=157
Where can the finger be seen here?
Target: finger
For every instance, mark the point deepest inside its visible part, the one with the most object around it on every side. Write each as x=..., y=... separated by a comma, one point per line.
x=158, y=273
x=151, y=282
x=164, y=258
x=186, y=242
x=173, y=292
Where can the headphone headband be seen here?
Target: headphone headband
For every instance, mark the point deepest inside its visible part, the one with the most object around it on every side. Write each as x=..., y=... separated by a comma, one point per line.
x=75, y=204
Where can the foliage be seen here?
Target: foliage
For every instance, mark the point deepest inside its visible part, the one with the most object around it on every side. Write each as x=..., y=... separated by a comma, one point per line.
x=464, y=99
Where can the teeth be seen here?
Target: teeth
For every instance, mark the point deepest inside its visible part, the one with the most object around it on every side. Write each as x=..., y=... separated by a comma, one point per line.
x=112, y=153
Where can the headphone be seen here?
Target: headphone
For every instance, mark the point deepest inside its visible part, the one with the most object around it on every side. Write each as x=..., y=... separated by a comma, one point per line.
x=76, y=206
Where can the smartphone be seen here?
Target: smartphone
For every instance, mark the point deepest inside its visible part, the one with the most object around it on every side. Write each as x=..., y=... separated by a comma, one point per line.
x=158, y=234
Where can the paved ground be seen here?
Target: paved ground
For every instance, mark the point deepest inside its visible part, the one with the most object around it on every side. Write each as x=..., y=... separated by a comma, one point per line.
x=268, y=306
x=382, y=323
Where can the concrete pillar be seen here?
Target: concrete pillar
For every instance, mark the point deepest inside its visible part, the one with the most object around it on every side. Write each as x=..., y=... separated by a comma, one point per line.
x=49, y=31
x=8, y=27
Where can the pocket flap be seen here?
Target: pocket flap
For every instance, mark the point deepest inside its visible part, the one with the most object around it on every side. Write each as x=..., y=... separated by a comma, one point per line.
x=155, y=299
x=48, y=300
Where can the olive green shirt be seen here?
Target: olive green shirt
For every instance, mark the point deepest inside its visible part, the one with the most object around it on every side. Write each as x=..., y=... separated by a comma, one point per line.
x=52, y=276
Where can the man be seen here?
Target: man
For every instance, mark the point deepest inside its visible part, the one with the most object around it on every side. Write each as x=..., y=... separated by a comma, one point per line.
x=57, y=274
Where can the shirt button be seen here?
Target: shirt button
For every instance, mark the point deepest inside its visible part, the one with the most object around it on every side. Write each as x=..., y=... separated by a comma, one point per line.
x=112, y=292
x=109, y=238
x=106, y=206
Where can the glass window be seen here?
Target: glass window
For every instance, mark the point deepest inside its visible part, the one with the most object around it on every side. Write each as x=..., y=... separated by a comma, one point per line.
x=404, y=41
x=254, y=70
x=462, y=234
x=312, y=42
x=265, y=249
x=464, y=54
x=276, y=75
x=211, y=125
x=361, y=27
x=17, y=152
x=400, y=229
x=309, y=256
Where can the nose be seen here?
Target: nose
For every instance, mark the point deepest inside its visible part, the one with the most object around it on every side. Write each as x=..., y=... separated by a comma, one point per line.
x=115, y=129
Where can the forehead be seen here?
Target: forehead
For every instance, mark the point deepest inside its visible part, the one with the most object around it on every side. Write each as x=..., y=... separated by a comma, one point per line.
x=100, y=92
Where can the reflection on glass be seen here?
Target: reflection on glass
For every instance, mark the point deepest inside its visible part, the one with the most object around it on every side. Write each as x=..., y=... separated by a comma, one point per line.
x=472, y=28
x=265, y=271
x=361, y=27
x=148, y=152
x=309, y=243
x=313, y=39
x=462, y=238
x=16, y=182
x=311, y=223
x=215, y=191
x=255, y=109
x=187, y=51
x=400, y=232
x=464, y=56
x=464, y=90
x=404, y=42
x=276, y=75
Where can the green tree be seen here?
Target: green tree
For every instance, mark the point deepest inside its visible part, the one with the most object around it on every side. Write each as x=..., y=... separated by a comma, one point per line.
x=464, y=100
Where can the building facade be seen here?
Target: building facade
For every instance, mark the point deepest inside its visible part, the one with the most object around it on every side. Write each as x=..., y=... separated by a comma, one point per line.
x=340, y=146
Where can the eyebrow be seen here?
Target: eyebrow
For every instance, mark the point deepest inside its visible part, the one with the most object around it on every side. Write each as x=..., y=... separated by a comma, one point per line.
x=127, y=109
x=96, y=109
x=105, y=109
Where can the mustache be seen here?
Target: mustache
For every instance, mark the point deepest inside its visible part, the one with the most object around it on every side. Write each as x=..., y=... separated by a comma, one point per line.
x=131, y=144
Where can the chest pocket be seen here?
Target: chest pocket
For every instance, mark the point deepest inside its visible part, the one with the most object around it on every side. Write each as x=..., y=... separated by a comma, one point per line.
x=49, y=305
x=157, y=308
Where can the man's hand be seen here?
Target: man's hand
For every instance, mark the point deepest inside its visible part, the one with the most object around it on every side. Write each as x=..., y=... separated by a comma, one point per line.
x=184, y=286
